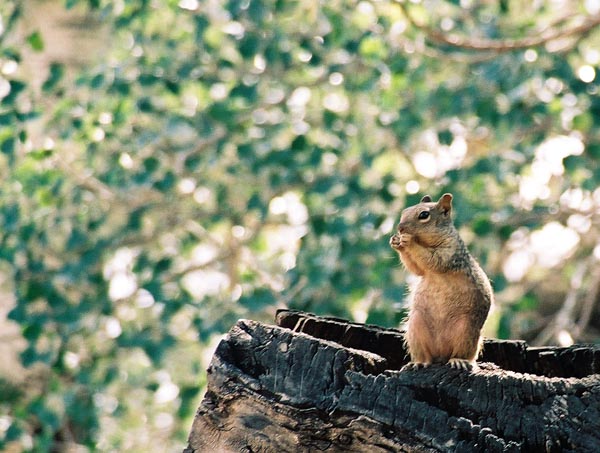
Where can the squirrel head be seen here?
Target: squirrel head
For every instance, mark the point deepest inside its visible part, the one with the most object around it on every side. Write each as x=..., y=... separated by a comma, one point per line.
x=426, y=219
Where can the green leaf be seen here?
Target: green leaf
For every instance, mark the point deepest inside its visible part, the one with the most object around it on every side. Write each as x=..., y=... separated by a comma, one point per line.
x=504, y=327
x=7, y=118
x=136, y=218
x=167, y=182
x=48, y=418
x=528, y=302
x=258, y=300
x=151, y=164
x=373, y=47
x=163, y=265
x=32, y=331
x=188, y=396
x=572, y=163
x=445, y=137
x=16, y=87
x=71, y=3
x=482, y=226
x=14, y=431
x=35, y=41
x=56, y=74
x=8, y=146
x=41, y=154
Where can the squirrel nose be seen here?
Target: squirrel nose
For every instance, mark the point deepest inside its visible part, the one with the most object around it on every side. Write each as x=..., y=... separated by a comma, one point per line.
x=400, y=228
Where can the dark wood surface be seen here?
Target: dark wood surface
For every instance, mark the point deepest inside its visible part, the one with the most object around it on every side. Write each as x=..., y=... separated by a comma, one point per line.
x=314, y=384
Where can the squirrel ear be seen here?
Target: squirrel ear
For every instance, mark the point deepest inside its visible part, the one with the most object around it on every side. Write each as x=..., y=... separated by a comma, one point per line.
x=445, y=203
x=426, y=199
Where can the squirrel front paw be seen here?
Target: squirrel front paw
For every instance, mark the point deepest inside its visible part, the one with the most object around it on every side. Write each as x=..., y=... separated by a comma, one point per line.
x=398, y=241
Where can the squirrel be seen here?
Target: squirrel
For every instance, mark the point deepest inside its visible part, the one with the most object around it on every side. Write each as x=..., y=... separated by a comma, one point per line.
x=453, y=296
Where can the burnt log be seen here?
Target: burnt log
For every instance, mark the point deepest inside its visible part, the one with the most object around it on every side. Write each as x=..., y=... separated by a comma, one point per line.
x=313, y=384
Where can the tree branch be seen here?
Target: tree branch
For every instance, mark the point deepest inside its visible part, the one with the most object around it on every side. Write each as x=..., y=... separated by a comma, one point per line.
x=506, y=45
x=565, y=317
x=588, y=304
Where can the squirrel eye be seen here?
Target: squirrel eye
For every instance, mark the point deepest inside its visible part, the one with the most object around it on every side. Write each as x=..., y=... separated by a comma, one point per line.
x=423, y=215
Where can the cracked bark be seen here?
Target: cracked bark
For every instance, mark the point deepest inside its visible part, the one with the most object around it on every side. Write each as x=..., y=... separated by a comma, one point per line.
x=314, y=384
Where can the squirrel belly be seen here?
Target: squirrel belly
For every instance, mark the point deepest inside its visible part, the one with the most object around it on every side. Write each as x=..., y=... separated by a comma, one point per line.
x=445, y=319
x=451, y=301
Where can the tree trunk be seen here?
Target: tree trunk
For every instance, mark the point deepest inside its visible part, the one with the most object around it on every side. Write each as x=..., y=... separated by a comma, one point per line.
x=316, y=384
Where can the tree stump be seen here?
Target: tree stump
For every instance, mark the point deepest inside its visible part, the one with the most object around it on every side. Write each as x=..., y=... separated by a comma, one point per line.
x=313, y=384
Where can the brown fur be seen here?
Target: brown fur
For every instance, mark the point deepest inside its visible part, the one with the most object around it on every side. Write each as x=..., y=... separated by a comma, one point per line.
x=453, y=297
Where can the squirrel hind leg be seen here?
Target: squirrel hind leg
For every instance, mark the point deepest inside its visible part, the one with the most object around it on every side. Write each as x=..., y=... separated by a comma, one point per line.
x=463, y=364
x=414, y=366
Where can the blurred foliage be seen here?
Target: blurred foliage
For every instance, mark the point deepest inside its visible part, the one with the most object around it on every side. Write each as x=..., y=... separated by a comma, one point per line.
x=225, y=158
